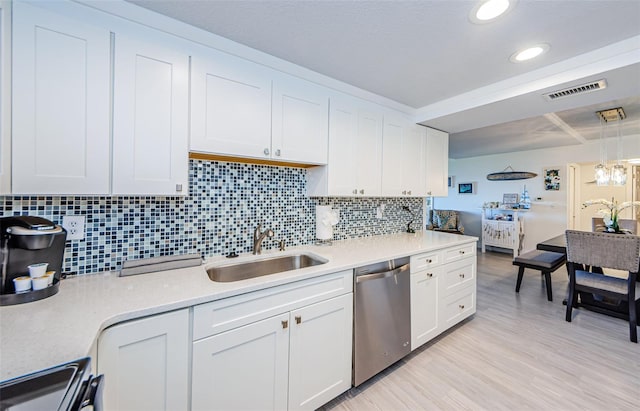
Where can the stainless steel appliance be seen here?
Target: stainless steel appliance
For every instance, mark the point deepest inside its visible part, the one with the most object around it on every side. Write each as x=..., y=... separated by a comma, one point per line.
x=26, y=240
x=66, y=387
x=382, y=317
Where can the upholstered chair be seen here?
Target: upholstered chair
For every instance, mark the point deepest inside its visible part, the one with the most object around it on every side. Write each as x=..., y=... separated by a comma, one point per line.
x=600, y=251
x=447, y=221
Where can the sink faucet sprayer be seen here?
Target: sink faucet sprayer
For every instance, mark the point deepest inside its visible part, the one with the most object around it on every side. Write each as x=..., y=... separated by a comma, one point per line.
x=258, y=236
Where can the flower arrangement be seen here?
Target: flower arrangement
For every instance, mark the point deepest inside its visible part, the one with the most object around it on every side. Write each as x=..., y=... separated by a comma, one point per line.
x=610, y=213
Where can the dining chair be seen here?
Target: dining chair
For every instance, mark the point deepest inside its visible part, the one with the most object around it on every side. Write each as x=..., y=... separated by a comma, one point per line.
x=597, y=224
x=604, y=250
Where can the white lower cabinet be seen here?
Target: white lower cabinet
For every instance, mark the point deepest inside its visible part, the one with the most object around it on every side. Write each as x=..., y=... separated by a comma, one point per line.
x=320, y=352
x=443, y=290
x=242, y=369
x=288, y=347
x=296, y=360
x=424, y=306
x=146, y=363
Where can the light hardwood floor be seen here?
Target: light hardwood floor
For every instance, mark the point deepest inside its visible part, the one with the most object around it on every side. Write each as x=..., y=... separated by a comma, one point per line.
x=516, y=353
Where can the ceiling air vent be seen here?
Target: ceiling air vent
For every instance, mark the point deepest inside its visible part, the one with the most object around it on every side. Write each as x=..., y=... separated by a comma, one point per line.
x=572, y=91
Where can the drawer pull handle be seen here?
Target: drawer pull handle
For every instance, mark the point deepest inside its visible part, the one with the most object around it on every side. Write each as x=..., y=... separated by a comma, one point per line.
x=461, y=275
x=461, y=306
x=285, y=324
x=298, y=319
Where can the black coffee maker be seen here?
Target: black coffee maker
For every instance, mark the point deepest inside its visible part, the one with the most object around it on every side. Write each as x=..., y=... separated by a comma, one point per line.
x=26, y=240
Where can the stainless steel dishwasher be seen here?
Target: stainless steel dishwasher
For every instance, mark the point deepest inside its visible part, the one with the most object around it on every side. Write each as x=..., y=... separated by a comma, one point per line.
x=382, y=317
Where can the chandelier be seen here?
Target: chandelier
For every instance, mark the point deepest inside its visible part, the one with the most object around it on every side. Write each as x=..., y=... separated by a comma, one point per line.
x=617, y=175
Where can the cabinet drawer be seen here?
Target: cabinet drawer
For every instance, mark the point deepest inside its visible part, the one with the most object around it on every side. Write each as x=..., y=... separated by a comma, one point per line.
x=459, y=252
x=458, y=275
x=423, y=261
x=222, y=315
x=458, y=306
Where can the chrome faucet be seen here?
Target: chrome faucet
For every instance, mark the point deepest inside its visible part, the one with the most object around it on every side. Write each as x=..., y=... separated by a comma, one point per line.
x=258, y=236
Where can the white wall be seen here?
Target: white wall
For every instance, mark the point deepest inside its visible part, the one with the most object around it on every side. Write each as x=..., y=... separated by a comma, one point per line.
x=548, y=216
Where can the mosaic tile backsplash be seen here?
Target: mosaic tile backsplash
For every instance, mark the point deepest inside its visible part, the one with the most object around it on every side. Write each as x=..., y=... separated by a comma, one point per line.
x=226, y=202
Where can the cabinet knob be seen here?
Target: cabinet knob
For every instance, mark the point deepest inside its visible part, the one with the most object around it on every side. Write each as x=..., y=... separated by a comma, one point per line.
x=461, y=306
x=429, y=275
x=409, y=192
x=404, y=192
x=429, y=261
x=298, y=319
x=278, y=153
x=461, y=275
x=285, y=324
x=428, y=193
x=355, y=191
x=266, y=151
x=461, y=251
x=178, y=188
x=361, y=191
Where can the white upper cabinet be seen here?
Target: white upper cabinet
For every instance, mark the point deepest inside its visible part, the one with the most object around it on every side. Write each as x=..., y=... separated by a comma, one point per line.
x=299, y=121
x=242, y=109
x=402, y=157
x=230, y=105
x=355, y=147
x=437, y=163
x=150, y=117
x=413, y=167
x=5, y=97
x=369, y=151
x=61, y=83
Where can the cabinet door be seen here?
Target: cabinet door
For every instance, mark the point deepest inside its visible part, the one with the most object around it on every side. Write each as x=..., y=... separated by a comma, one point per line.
x=393, y=134
x=146, y=363
x=300, y=123
x=61, y=109
x=320, y=352
x=437, y=162
x=242, y=369
x=368, y=156
x=413, y=164
x=343, y=129
x=5, y=97
x=230, y=105
x=403, y=146
x=150, y=118
x=425, y=300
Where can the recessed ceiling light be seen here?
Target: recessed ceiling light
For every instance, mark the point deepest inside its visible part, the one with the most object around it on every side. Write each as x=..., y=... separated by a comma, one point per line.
x=529, y=53
x=486, y=11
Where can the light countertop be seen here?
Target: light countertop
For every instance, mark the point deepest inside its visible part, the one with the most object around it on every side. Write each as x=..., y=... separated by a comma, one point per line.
x=65, y=326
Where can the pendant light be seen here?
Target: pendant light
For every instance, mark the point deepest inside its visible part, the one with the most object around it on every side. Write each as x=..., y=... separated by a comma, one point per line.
x=618, y=173
x=602, y=172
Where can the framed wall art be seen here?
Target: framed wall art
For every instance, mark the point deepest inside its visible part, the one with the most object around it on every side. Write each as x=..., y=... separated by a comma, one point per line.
x=465, y=188
x=552, y=179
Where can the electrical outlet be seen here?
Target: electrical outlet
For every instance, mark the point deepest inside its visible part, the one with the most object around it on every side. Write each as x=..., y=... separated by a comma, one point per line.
x=74, y=224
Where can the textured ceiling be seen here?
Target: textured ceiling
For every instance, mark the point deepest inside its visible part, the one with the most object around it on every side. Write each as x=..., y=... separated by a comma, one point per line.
x=421, y=52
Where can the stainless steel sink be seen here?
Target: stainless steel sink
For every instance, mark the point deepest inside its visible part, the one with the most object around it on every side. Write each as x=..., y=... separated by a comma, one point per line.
x=264, y=266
